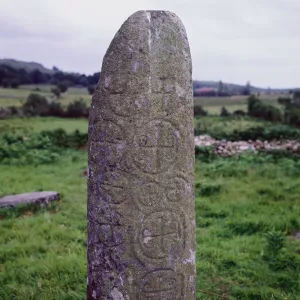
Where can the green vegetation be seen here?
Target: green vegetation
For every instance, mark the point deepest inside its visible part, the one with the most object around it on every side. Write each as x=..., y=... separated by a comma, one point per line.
x=28, y=125
x=258, y=109
x=243, y=128
x=39, y=105
x=213, y=104
x=38, y=148
x=42, y=254
x=247, y=208
x=247, y=214
x=15, y=97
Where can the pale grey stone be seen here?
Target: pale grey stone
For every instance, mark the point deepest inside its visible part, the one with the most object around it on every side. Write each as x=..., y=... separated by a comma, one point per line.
x=41, y=198
x=141, y=218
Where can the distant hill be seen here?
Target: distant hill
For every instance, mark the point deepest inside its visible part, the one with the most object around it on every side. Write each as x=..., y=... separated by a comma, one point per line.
x=237, y=87
x=93, y=79
x=28, y=66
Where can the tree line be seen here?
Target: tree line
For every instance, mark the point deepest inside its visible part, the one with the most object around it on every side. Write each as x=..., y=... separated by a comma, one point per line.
x=11, y=77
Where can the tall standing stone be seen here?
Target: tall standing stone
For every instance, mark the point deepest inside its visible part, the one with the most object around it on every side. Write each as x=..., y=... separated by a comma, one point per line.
x=141, y=222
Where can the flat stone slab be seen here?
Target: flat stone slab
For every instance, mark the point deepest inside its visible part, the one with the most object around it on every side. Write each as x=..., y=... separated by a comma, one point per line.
x=42, y=198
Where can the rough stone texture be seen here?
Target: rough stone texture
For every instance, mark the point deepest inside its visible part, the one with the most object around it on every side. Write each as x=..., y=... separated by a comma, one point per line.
x=141, y=219
x=41, y=198
x=228, y=148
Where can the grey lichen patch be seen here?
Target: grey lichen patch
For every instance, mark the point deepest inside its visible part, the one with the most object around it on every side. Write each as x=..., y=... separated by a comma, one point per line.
x=116, y=295
x=141, y=232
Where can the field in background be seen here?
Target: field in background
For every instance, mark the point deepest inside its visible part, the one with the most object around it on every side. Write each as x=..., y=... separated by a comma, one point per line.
x=214, y=104
x=39, y=124
x=239, y=202
x=246, y=208
x=15, y=97
x=216, y=124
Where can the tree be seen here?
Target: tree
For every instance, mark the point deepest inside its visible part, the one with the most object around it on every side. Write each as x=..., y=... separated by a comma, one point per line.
x=55, y=69
x=59, y=76
x=15, y=83
x=296, y=97
x=247, y=90
x=5, y=83
x=24, y=77
x=35, y=105
x=2, y=73
x=63, y=86
x=56, y=91
x=220, y=87
x=93, y=79
x=83, y=81
x=224, y=112
x=91, y=89
x=37, y=77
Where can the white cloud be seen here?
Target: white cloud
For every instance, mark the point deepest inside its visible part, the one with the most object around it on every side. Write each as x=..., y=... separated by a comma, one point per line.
x=232, y=40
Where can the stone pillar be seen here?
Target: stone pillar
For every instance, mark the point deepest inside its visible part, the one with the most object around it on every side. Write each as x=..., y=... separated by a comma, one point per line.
x=141, y=219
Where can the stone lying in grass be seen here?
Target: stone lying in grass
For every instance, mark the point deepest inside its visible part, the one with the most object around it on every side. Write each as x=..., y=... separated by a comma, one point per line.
x=39, y=198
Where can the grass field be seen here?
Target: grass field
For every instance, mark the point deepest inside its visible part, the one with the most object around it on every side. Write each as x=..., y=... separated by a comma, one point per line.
x=15, y=97
x=247, y=216
x=213, y=104
x=217, y=124
x=38, y=124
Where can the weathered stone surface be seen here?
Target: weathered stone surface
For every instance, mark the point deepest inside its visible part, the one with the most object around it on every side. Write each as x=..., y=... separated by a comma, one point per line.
x=239, y=147
x=141, y=220
x=41, y=198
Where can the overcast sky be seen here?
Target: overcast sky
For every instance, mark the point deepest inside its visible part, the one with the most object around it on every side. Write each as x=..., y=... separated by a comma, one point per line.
x=231, y=40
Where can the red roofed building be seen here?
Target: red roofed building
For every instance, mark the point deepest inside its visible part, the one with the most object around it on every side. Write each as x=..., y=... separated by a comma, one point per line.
x=205, y=91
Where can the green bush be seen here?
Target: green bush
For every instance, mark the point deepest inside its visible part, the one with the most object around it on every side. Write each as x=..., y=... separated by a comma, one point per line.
x=252, y=101
x=258, y=109
x=91, y=89
x=292, y=116
x=63, y=86
x=239, y=112
x=224, y=112
x=77, y=109
x=284, y=100
x=275, y=132
x=199, y=111
x=39, y=148
x=15, y=83
x=35, y=105
x=55, y=109
x=56, y=91
x=27, y=150
x=5, y=83
x=60, y=138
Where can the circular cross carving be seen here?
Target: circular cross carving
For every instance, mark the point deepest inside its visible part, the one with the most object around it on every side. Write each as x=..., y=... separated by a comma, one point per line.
x=178, y=190
x=162, y=234
x=156, y=147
